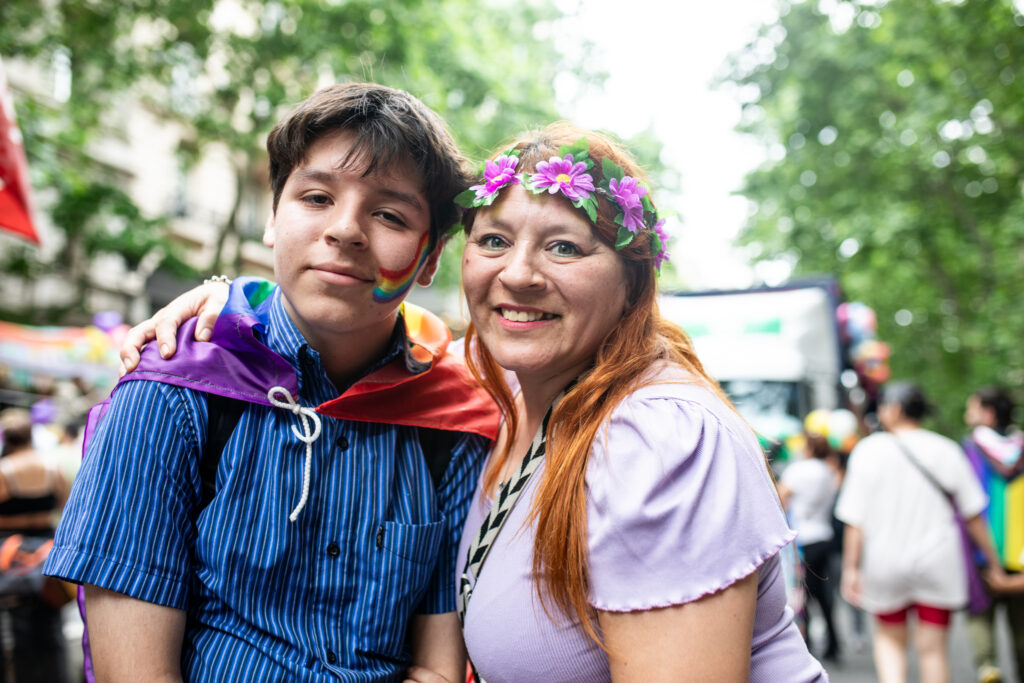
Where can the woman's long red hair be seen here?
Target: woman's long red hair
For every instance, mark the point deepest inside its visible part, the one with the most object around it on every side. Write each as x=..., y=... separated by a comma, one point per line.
x=639, y=340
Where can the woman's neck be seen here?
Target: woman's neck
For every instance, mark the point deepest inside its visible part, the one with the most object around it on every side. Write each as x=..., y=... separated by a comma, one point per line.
x=538, y=391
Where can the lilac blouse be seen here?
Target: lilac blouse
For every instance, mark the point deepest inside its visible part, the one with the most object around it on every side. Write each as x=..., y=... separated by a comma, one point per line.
x=680, y=505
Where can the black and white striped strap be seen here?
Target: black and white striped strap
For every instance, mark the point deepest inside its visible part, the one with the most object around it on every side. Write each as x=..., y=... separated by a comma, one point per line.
x=508, y=494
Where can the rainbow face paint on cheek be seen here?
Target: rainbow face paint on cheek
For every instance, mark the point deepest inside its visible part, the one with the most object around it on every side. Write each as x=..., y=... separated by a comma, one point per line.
x=395, y=283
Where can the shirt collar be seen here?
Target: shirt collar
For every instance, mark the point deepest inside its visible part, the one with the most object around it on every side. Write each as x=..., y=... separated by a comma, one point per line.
x=284, y=337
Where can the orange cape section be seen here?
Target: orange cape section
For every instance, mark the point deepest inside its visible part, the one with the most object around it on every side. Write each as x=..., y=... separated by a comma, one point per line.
x=445, y=396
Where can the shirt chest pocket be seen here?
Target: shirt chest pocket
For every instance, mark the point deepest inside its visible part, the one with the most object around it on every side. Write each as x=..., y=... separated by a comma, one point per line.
x=402, y=566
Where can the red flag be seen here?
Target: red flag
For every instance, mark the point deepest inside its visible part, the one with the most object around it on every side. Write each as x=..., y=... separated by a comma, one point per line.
x=15, y=206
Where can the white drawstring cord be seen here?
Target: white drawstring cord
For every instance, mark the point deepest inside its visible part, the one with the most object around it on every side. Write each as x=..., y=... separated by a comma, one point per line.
x=306, y=437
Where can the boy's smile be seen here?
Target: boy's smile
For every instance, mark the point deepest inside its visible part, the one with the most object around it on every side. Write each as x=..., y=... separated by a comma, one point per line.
x=337, y=234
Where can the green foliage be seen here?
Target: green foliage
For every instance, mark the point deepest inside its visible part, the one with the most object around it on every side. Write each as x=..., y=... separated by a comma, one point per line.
x=86, y=203
x=898, y=164
x=225, y=77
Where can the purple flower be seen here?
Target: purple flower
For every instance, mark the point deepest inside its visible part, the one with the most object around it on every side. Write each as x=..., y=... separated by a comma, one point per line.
x=565, y=176
x=497, y=174
x=663, y=254
x=627, y=193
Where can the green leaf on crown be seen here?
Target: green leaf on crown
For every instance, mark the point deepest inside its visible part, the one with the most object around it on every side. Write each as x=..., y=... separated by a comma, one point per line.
x=610, y=169
x=655, y=244
x=646, y=202
x=624, y=237
x=465, y=198
x=589, y=205
x=580, y=150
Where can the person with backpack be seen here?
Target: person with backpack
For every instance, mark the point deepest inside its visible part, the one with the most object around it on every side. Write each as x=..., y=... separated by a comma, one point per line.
x=302, y=534
x=994, y=448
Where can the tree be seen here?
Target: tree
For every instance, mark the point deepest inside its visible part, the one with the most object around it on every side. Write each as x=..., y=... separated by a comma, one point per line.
x=226, y=71
x=90, y=49
x=895, y=139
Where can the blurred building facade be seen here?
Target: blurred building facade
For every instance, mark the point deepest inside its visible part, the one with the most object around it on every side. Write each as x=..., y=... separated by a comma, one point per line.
x=139, y=155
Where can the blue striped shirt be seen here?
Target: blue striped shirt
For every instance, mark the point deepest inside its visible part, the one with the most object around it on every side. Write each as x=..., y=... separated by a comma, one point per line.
x=327, y=597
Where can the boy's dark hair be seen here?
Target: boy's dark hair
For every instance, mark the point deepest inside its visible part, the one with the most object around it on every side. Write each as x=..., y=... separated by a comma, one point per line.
x=390, y=126
x=999, y=402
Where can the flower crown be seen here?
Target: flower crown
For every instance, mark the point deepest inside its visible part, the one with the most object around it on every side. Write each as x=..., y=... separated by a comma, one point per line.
x=569, y=173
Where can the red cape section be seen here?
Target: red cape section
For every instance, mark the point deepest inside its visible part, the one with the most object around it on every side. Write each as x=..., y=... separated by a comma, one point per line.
x=443, y=397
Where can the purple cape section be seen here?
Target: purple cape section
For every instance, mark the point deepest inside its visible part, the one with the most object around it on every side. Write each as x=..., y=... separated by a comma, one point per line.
x=233, y=363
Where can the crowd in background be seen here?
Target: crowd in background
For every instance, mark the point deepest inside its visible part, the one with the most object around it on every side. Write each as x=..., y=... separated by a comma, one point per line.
x=42, y=450
x=879, y=517
x=39, y=457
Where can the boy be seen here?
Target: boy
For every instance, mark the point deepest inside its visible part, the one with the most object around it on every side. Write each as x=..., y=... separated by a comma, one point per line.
x=320, y=549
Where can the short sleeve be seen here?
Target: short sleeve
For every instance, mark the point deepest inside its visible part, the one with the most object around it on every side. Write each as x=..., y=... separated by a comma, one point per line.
x=127, y=524
x=854, y=494
x=680, y=503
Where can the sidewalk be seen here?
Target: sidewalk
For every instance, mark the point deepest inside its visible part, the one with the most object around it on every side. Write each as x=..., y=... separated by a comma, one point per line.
x=857, y=667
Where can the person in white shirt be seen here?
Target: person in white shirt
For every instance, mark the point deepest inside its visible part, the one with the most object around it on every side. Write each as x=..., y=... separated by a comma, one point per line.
x=808, y=491
x=901, y=547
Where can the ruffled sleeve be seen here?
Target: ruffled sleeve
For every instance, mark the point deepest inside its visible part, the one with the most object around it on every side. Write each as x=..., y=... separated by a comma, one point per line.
x=680, y=502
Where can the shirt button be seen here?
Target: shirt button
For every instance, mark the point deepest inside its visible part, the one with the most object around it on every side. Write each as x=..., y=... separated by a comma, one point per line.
x=331, y=657
x=341, y=442
x=333, y=550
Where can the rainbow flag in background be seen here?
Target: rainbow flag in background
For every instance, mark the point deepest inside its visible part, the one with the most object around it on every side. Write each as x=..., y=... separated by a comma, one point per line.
x=999, y=469
x=15, y=204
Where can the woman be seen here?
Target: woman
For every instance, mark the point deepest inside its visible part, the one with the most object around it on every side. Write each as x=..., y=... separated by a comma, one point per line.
x=901, y=548
x=644, y=546
x=808, y=489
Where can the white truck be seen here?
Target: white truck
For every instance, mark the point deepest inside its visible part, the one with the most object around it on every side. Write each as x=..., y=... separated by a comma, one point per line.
x=775, y=350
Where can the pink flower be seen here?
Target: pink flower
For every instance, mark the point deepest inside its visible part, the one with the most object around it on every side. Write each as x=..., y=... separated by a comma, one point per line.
x=497, y=174
x=564, y=175
x=663, y=254
x=627, y=193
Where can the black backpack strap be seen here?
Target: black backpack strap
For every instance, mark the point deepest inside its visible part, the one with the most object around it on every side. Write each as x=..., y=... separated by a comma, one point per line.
x=223, y=414
x=437, y=445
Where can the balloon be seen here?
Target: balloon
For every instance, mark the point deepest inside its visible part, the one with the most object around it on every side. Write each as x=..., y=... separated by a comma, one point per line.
x=842, y=424
x=816, y=422
x=796, y=444
x=861, y=322
x=871, y=361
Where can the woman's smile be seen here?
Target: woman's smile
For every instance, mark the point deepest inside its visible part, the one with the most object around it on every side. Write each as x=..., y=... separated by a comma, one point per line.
x=543, y=290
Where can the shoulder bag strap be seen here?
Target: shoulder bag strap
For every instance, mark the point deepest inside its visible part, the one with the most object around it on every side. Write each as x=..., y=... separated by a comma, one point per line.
x=923, y=470
x=508, y=495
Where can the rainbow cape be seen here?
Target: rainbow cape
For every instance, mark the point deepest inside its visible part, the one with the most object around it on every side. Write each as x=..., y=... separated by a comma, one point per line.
x=234, y=363
x=997, y=462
